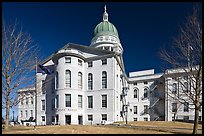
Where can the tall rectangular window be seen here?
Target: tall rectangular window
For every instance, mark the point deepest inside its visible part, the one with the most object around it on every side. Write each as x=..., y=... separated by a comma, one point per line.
x=21, y=114
x=145, y=93
x=80, y=101
x=135, y=93
x=31, y=100
x=26, y=100
x=104, y=116
x=22, y=101
x=68, y=100
x=90, y=81
x=104, y=61
x=68, y=78
x=104, y=79
x=146, y=109
x=185, y=87
x=174, y=89
x=31, y=113
x=90, y=101
x=186, y=107
x=135, y=109
x=104, y=101
x=90, y=64
x=57, y=101
x=174, y=107
x=79, y=80
x=67, y=59
x=43, y=105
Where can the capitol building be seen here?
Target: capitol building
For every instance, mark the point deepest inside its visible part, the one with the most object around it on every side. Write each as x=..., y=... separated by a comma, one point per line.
x=88, y=85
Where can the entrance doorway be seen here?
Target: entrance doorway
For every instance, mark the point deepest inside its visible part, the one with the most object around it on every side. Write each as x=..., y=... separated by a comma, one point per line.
x=68, y=119
x=80, y=120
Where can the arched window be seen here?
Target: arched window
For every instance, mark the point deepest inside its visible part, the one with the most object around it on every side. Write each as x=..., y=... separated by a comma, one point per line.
x=90, y=81
x=174, y=89
x=104, y=79
x=145, y=93
x=79, y=80
x=135, y=92
x=56, y=78
x=68, y=78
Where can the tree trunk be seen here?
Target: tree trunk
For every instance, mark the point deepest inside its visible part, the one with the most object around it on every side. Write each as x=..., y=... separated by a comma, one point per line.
x=195, y=127
x=7, y=114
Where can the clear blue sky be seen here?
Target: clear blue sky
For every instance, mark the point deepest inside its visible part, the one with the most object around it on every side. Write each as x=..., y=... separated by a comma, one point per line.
x=143, y=27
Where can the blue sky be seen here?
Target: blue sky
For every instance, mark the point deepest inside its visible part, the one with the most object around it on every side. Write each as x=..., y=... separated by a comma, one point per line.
x=144, y=28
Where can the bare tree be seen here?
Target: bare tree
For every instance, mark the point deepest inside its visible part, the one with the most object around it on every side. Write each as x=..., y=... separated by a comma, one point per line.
x=185, y=56
x=18, y=64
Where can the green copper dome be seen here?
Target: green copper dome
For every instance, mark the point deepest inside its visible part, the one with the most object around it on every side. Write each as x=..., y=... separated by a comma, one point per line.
x=105, y=28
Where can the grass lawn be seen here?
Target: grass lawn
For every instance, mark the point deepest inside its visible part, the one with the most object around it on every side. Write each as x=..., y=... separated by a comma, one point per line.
x=141, y=127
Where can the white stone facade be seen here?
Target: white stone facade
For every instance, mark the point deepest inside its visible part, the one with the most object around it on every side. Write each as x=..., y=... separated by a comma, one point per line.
x=70, y=95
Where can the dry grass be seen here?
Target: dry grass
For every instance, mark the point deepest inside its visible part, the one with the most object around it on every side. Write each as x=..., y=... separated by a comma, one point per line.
x=143, y=128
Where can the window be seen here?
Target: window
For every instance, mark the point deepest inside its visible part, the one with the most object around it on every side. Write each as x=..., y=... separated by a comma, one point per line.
x=90, y=64
x=104, y=61
x=186, y=107
x=68, y=78
x=43, y=105
x=31, y=100
x=135, y=93
x=199, y=118
x=90, y=81
x=135, y=109
x=26, y=112
x=67, y=59
x=53, y=118
x=185, y=87
x=174, y=89
x=90, y=117
x=186, y=118
x=145, y=119
x=31, y=113
x=145, y=109
x=21, y=101
x=104, y=101
x=145, y=93
x=21, y=114
x=135, y=83
x=104, y=79
x=80, y=101
x=104, y=116
x=57, y=101
x=174, y=107
x=26, y=100
x=90, y=101
x=57, y=78
x=145, y=82
x=80, y=80
x=185, y=78
x=53, y=104
x=43, y=118
x=53, y=85
x=79, y=62
x=135, y=119
x=43, y=87
x=68, y=100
